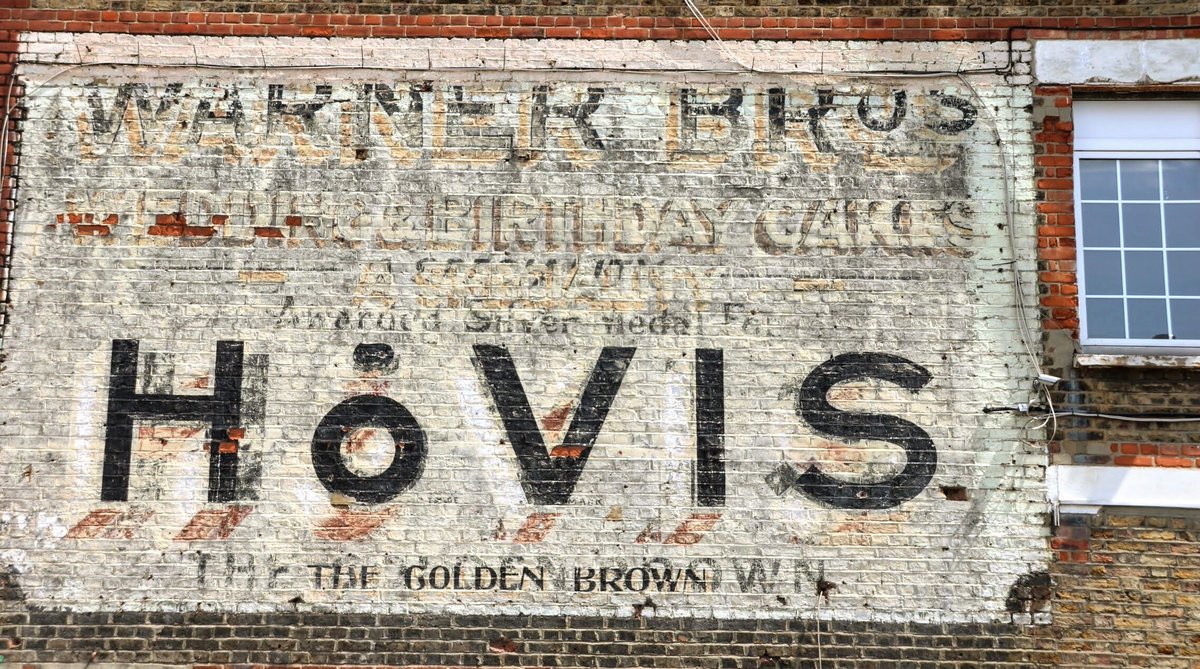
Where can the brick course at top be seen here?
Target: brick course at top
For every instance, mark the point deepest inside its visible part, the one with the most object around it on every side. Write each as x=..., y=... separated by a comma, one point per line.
x=766, y=8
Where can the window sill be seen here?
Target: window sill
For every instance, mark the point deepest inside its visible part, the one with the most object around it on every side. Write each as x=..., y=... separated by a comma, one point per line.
x=1137, y=360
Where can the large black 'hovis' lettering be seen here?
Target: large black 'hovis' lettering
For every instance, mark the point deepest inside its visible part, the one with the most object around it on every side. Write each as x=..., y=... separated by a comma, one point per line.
x=221, y=410
x=710, y=427
x=549, y=478
x=812, y=404
x=363, y=411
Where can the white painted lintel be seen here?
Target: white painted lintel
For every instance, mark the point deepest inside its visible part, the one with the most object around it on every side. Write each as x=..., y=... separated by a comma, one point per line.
x=1155, y=487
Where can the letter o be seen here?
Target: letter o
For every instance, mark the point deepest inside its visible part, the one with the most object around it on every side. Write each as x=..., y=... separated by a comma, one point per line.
x=634, y=585
x=439, y=577
x=369, y=411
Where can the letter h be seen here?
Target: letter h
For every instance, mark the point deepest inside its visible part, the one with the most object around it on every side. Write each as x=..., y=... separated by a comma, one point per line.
x=221, y=410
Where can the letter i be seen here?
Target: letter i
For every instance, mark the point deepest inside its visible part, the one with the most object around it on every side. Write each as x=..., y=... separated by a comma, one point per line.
x=709, y=473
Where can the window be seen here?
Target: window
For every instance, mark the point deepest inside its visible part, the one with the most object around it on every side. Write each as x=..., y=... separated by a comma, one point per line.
x=1137, y=209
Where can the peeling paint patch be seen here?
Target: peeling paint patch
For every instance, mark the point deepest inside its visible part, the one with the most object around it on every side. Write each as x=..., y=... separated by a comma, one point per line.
x=93, y=524
x=537, y=526
x=692, y=530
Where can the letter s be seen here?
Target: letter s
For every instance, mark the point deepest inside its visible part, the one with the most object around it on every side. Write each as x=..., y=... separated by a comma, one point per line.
x=812, y=405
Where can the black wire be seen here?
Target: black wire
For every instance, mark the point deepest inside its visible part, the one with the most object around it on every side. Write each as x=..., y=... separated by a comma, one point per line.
x=1081, y=413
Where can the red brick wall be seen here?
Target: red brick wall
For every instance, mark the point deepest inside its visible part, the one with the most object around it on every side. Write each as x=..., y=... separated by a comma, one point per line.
x=1133, y=390
x=765, y=8
x=1055, y=208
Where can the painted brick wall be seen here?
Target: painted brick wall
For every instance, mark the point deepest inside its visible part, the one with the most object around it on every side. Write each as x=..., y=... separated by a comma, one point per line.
x=598, y=314
x=161, y=556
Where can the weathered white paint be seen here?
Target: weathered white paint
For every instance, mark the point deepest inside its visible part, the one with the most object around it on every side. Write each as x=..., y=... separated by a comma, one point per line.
x=791, y=57
x=1124, y=61
x=778, y=252
x=1135, y=360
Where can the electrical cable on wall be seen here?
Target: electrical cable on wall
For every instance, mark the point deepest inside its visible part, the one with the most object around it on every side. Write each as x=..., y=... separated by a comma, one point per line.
x=1081, y=413
x=715, y=36
x=10, y=216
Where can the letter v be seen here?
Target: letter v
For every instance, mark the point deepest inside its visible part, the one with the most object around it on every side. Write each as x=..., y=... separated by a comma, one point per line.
x=550, y=478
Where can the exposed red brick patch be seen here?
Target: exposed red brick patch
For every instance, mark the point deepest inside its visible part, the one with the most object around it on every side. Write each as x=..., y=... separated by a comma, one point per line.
x=198, y=383
x=554, y=421
x=650, y=535
x=166, y=441
x=165, y=432
x=350, y=524
x=86, y=225
x=110, y=524
x=175, y=225
x=692, y=530
x=341, y=666
x=214, y=524
x=357, y=441
x=502, y=645
x=536, y=527
x=166, y=230
x=93, y=524
x=564, y=451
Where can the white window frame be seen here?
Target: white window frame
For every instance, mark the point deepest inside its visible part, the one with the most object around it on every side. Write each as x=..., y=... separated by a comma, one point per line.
x=1093, y=146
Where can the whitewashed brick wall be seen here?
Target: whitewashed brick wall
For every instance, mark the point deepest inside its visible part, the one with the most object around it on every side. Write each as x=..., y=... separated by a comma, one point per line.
x=479, y=194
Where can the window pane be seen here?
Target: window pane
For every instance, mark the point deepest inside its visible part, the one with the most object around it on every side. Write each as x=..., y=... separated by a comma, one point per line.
x=1103, y=272
x=1101, y=225
x=1105, y=318
x=1181, y=179
x=1143, y=224
x=1183, y=269
x=1148, y=319
x=1185, y=319
x=1183, y=225
x=1139, y=179
x=1098, y=179
x=1144, y=274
